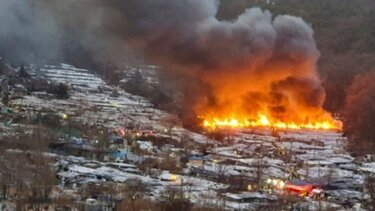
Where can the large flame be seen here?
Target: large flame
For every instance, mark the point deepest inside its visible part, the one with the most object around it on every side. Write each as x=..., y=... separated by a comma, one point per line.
x=267, y=100
x=324, y=122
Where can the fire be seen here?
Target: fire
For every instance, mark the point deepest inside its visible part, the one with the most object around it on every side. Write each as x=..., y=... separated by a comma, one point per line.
x=241, y=99
x=262, y=120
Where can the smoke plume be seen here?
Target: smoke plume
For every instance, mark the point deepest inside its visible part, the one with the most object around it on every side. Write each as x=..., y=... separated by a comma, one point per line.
x=254, y=63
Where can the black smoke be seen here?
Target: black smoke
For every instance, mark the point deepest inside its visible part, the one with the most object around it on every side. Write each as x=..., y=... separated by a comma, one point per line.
x=256, y=54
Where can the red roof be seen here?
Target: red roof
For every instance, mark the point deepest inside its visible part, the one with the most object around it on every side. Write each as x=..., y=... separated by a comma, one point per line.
x=299, y=188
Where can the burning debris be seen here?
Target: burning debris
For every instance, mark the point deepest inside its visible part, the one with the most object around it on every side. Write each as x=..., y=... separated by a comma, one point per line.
x=263, y=121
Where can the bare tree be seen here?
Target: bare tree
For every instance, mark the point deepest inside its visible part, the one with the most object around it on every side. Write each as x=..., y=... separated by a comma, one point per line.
x=42, y=177
x=134, y=196
x=26, y=170
x=175, y=198
x=6, y=174
x=169, y=163
x=210, y=203
x=260, y=166
x=370, y=190
x=221, y=172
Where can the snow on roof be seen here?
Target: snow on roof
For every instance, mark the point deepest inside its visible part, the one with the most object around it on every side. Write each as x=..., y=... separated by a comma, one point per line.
x=68, y=174
x=145, y=145
x=167, y=176
x=321, y=205
x=75, y=171
x=275, y=172
x=368, y=167
x=247, y=195
x=349, y=194
x=202, y=184
x=81, y=169
x=122, y=165
x=199, y=138
x=266, y=161
x=330, y=159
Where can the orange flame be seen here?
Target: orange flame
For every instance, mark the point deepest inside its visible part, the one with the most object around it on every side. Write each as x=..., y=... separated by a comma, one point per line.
x=275, y=95
x=262, y=120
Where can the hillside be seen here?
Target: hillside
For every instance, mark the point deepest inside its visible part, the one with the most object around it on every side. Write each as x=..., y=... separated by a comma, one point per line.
x=233, y=170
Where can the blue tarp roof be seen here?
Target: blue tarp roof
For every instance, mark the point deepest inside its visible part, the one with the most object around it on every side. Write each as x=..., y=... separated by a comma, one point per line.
x=194, y=157
x=119, y=154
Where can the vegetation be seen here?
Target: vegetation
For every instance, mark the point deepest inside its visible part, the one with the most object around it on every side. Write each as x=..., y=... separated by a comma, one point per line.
x=60, y=90
x=27, y=176
x=359, y=115
x=370, y=190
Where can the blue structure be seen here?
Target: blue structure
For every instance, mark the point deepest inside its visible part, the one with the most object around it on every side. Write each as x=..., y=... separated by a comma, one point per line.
x=119, y=154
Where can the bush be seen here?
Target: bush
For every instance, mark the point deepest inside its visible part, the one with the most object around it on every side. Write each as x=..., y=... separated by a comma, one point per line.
x=61, y=91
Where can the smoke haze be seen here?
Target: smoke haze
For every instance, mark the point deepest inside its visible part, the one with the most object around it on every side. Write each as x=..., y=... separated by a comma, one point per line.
x=254, y=63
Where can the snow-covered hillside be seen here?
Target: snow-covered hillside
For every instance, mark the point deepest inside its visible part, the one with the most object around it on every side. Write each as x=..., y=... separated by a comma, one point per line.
x=91, y=101
x=314, y=156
